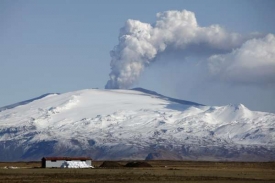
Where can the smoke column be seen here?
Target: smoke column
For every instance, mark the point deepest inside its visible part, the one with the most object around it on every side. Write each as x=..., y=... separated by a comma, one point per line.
x=140, y=44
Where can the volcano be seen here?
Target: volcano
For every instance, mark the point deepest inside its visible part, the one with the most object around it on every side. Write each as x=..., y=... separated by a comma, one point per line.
x=133, y=124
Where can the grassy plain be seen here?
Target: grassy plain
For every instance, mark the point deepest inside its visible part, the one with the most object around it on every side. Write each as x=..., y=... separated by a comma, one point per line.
x=162, y=171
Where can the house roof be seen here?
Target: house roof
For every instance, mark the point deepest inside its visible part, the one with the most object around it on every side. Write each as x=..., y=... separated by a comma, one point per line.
x=66, y=158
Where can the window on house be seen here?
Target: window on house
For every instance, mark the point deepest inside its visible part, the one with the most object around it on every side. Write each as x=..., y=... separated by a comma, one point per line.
x=53, y=160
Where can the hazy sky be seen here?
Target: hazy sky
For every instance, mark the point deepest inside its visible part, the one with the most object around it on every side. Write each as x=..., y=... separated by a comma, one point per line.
x=60, y=46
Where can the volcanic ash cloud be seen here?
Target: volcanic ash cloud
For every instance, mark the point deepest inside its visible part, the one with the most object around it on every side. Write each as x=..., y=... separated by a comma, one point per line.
x=140, y=44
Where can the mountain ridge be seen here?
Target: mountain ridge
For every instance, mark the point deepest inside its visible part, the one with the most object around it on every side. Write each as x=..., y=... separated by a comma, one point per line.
x=25, y=101
x=134, y=124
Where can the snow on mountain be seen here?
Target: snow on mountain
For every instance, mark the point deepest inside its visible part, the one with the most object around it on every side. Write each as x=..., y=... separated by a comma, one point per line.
x=133, y=124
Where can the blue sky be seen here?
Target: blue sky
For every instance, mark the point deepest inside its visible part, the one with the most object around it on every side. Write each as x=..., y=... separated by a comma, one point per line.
x=61, y=46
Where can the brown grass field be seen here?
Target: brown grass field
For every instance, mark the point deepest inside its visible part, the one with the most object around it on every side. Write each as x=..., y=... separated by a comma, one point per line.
x=162, y=171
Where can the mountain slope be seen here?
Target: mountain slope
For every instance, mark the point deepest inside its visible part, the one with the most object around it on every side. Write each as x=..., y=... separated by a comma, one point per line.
x=134, y=124
x=24, y=102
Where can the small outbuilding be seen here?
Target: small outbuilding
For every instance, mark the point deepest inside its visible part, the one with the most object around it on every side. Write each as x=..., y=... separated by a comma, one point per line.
x=59, y=162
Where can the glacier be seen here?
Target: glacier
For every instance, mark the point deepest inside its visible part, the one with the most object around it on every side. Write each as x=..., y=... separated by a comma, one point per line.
x=133, y=124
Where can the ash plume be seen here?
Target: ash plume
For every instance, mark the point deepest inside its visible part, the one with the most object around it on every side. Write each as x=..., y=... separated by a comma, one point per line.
x=140, y=44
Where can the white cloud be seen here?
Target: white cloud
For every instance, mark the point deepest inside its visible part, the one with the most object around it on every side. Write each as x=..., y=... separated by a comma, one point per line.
x=252, y=63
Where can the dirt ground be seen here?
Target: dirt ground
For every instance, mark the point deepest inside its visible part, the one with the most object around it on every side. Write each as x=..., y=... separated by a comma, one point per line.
x=162, y=171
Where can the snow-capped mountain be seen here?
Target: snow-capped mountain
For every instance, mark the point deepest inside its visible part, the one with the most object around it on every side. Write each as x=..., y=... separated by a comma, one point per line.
x=133, y=124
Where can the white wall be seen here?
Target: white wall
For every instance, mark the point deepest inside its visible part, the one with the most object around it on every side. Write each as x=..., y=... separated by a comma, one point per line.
x=58, y=163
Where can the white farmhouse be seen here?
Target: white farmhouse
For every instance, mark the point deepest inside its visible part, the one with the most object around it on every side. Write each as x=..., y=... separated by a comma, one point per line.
x=59, y=162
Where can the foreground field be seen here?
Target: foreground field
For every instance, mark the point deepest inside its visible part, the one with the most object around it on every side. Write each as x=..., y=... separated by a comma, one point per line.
x=162, y=171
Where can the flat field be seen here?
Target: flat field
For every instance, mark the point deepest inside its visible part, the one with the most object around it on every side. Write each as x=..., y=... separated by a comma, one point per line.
x=162, y=171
